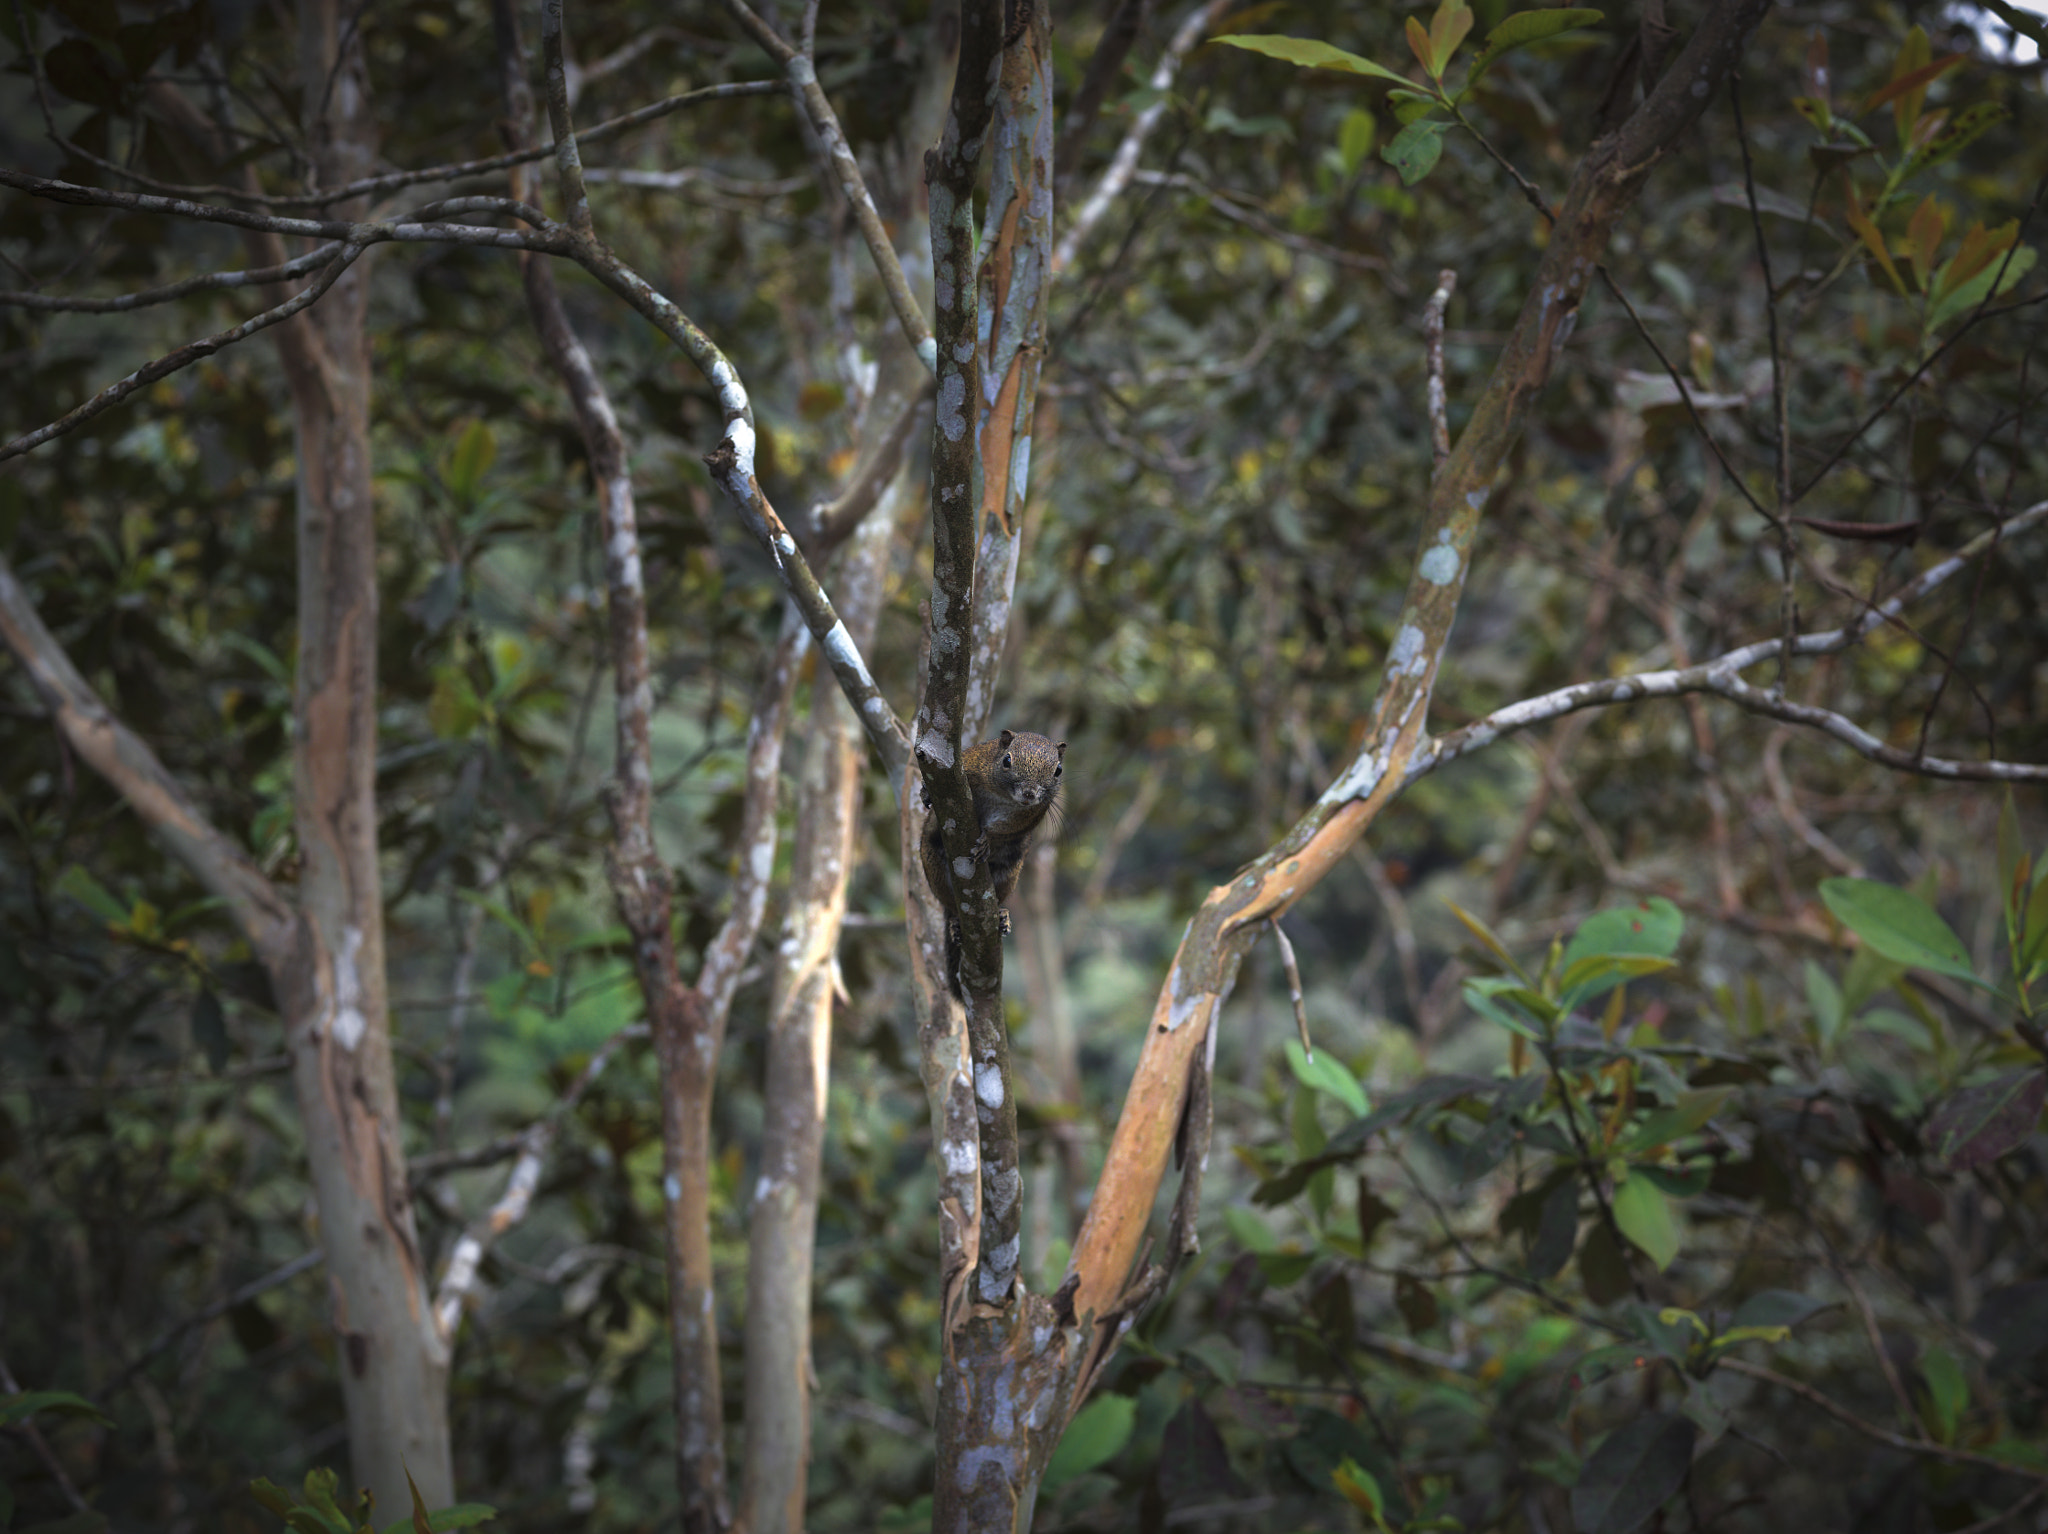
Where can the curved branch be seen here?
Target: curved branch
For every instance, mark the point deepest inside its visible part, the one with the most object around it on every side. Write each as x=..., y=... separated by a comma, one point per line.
x=1721, y=676
x=803, y=80
x=183, y=357
x=456, y=170
x=119, y=755
x=207, y=282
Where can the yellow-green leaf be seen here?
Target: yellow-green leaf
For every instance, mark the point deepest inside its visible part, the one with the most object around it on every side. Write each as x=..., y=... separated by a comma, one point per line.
x=1310, y=54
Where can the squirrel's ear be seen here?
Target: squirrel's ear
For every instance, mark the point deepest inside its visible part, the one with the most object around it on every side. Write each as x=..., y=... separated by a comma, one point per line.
x=1008, y=736
x=1062, y=748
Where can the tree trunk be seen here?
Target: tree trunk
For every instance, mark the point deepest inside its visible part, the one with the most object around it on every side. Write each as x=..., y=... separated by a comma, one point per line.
x=784, y=1222
x=394, y=1370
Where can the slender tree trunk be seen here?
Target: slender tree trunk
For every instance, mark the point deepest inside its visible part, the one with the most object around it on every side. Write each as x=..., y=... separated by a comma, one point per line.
x=394, y=1369
x=784, y=1221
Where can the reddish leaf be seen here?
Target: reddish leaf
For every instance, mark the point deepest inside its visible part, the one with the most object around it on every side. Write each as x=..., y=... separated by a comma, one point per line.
x=1979, y=1124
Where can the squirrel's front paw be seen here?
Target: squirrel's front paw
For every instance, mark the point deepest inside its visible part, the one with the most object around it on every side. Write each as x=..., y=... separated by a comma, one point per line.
x=1003, y=919
x=979, y=851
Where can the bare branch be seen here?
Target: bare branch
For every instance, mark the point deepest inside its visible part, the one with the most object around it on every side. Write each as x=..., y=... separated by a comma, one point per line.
x=461, y=170
x=206, y=282
x=1124, y=163
x=1433, y=341
x=803, y=80
x=406, y=229
x=535, y=1141
x=568, y=158
x=1105, y=64
x=1225, y=205
x=1721, y=676
x=117, y=754
x=1820, y=1398
x=183, y=357
x=304, y=1262
x=833, y=520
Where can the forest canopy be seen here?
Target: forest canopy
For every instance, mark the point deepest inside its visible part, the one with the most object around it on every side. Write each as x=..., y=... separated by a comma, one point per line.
x=1521, y=532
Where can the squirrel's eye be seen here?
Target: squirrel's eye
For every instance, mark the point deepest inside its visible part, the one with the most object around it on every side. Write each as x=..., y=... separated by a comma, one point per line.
x=1057, y=771
x=1006, y=760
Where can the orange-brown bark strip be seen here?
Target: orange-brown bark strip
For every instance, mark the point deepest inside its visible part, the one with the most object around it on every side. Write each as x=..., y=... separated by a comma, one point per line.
x=1608, y=180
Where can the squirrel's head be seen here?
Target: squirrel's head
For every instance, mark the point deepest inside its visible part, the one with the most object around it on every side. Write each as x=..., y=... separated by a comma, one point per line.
x=1030, y=766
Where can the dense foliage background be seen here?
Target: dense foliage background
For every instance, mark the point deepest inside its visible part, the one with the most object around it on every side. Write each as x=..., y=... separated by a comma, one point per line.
x=1489, y=1232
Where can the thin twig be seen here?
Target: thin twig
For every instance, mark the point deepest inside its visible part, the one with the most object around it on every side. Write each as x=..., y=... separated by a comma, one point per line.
x=1788, y=604
x=803, y=80
x=207, y=282
x=1124, y=163
x=1433, y=340
x=28, y=1429
x=183, y=357
x=1720, y=676
x=1871, y=1430
x=1293, y=969
x=275, y=1278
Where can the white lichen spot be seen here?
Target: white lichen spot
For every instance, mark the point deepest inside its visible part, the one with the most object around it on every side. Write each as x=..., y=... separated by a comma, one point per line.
x=1004, y=1258
x=839, y=647
x=672, y=1187
x=1407, y=649
x=963, y=868
x=741, y=436
x=349, y=1023
x=960, y=1155
x=732, y=394
x=988, y=1084
x=1622, y=693
x=1020, y=468
x=952, y=408
x=1476, y=499
x=1440, y=565
x=933, y=748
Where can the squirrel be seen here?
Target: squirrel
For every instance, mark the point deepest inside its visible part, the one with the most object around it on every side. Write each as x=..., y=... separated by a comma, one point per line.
x=1016, y=783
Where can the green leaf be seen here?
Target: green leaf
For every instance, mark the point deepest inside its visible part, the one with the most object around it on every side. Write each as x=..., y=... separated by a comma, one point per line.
x=1644, y=1215
x=1899, y=925
x=1487, y=940
x=1326, y=1075
x=210, y=1030
x=1096, y=1436
x=1632, y=1474
x=1979, y=1124
x=1735, y=1334
x=16, y=1409
x=1523, y=28
x=1776, y=1307
x=1684, y=1116
x=470, y=459
x=1310, y=54
x=1948, y=1391
x=82, y=887
x=1501, y=1000
x=1355, y=138
x=1415, y=150
x=1653, y=927
x=1598, y=973
x=2006, y=272
x=273, y=1497
x=1252, y=1233
x=1824, y=1000
x=419, y=1506
x=1962, y=130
